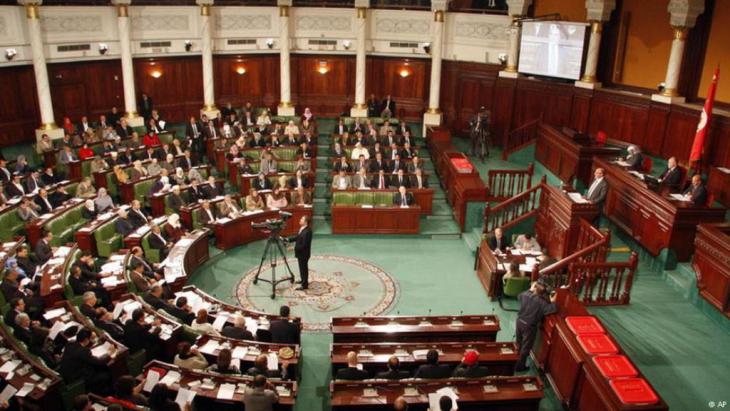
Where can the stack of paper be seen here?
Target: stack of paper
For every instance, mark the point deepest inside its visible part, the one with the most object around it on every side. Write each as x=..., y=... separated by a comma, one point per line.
x=101, y=350
x=239, y=352
x=221, y=320
x=226, y=391
x=184, y=396
x=272, y=361
x=210, y=347
x=171, y=378
x=51, y=314
x=152, y=378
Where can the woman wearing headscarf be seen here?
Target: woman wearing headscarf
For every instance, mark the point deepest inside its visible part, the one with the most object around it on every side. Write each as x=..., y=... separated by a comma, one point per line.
x=173, y=229
x=103, y=201
x=291, y=128
x=179, y=177
x=85, y=189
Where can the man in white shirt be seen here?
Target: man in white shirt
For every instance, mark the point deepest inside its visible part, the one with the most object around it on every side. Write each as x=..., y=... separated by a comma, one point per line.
x=358, y=151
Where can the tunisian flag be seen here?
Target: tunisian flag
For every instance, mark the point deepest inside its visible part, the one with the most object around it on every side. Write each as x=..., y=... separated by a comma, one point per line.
x=704, y=124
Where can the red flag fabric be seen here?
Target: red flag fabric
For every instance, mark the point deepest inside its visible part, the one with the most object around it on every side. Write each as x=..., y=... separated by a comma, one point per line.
x=704, y=123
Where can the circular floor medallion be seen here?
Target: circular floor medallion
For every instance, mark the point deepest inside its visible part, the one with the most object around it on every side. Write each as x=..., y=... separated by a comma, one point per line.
x=338, y=287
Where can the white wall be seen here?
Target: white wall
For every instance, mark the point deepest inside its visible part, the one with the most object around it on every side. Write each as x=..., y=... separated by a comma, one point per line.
x=468, y=37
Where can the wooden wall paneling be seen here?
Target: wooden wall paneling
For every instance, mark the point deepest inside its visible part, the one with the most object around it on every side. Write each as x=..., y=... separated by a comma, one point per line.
x=503, y=108
x=464, y=88
x=681, y=128
x=178, y=92
x=409, y=92
x=581, y=110
x=19, y=115
x=259, y=83
x=328, y=94
x=89, y=88
x=717, y=151
x=622, y=116
x=535, y=99
x=656, y=128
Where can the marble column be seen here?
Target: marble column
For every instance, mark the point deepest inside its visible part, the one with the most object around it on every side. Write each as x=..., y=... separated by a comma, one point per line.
x=432, y=117
x=360, y=109
x=515, y=9
x=125, y=46
x=597, y=11
x=682, y=17
x=48, y=122
x=206, y=47
x=285, y=106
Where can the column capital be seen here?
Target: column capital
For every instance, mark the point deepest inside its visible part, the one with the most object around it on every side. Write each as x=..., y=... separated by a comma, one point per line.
x=518, y=7
x=599, y=10
x=122, y=7
x=362, y=4
x=31, y=7
x=362, y=13
x=683, y=13
x=284, y=3
x=204, y=6
x=439, y=5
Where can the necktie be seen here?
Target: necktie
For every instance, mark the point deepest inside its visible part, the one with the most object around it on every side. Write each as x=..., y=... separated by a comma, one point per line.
x=403, y=200
x=382, y=182
x=195, y=131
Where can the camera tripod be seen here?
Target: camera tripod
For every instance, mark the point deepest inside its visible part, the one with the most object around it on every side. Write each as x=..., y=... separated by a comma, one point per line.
x=274, y=243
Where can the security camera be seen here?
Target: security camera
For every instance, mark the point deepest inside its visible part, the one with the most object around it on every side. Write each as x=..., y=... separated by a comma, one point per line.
x=346, y=44
x=103, y=48
x=270, y=43
x=502, y=58
x=427, y=48
x=10, y=53
x=188, y=45
x=661, y=86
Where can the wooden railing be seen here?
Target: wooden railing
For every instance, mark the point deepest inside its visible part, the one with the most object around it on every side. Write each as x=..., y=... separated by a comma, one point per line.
x=518, y=208
x=505, y=184
x=603, y=283
x=592, y=246
x=519, y=137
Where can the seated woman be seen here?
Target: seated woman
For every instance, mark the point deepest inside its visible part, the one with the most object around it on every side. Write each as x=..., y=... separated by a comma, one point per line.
x=277, y=199
x=291, y=128
x=151, y=139
x=254, y=201
x=179, y=178
x=120, y=174
x=514, y=272
x=103, y=201
x=173, y=229
x=223, y=364
x=307, y=115
x=263, y=119
x=85, y=152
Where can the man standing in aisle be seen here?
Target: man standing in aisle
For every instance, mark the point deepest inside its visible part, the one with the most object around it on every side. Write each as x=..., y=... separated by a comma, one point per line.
x=535, y=304
x=303, y=250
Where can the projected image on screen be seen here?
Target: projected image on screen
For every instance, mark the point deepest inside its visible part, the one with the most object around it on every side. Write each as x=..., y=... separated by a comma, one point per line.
x=552, y=48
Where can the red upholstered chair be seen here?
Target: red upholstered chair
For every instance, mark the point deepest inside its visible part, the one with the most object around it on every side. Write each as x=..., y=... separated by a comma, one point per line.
x=601, y=138
x=647, y=164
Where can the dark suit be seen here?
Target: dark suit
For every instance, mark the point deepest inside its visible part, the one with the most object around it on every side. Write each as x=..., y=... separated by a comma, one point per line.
x=463, y=371
x=205, y=218
x=303, y=250
x=433, y=372
x=375, y=183
x=209, y=191
x=197, y=194
x=123, y=226
x=397, y=181
x=236, y=333
x=392, y=375
x=32, y=184
x=157, y=243
x=351, y=374
x=175, y=201
x=78, y=364
x=137, y=218
x=376, y=166
x=398, y=199
x=45, y=204
x=42, y=251
x=284, y=332
x=340, y=129
x=180, y=314
x=503, y=243
x=12, y=191
x=259, y=184
x=671, y=178
x=342, y=167
x=293, y=182
x=635, y=161
x=698, y=195
x=186, y=163
x=138, y=337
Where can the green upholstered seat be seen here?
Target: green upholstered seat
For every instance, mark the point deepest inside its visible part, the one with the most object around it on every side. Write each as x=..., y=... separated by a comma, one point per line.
x=67, y=290
x=141, y=189
x=152, y=255
x=71, y=189
x=10, y=225
x=196, y=218
x=515, y=286
x=65, y=225
x=86, y=168
x=108, y=241
x=363, y=198
x=285, y=153
x=287, y=166
x=111, y=185
x=383, y=198
x=342, y=198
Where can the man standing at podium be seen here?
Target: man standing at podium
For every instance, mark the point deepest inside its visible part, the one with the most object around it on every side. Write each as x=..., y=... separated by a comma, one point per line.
x=303, y=250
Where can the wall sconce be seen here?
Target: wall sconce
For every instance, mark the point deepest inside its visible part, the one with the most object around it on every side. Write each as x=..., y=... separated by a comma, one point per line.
x=427, y=48
x=502, y=58
x=323, y=67
x=10, y=53
x=188, y=45
x=103, y=48
x=241, y=70
x=346, y=44
x=270, y=43
x=404, y=72
x=156, y=74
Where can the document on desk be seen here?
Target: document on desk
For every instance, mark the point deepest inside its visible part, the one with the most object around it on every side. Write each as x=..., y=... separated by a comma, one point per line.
x=577, y=198
x=239, y=352
x=51, y=314
x=622, y=163
x=226, y=391
x=25, y=390
x=151, y=380
x=272, y=361
x=99, y=351
x=220, y=321
x=679, y=197
x=7, y=393
x=184, y=397
x=172, y=377
x=210, y=347
x=9, y=366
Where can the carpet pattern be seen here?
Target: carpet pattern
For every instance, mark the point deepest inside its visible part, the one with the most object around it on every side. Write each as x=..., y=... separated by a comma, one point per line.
x=338, y=287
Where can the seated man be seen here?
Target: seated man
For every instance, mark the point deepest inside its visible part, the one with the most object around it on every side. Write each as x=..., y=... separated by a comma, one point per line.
x=285, y=331
x=696, y=192
x=136, y=215
x=403, y=198
x=361, y=181
x=299, y=180
x=432, y=369
x=237, y=330
x=229, y=208
x=394, y=372
x=418, y=180
x=498, y=241
x=341, y=181
x=254, y=201
x=469, y=367
x=634, y=159
x=208, y=214
x=526, y=242
x=78, y=363
x=672, y=176
x=400, y=180
x=261, y=396
x=352, y=372
x=158, y=242
x=261, y=183
x=301, y=197
x=123, y=226
x=138, y=335
x=342, y=165
x=260, y=368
